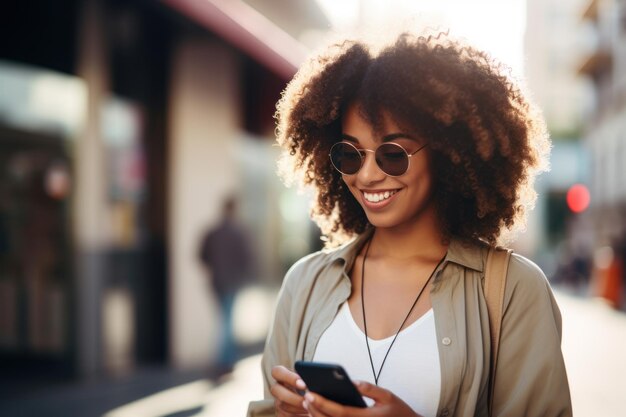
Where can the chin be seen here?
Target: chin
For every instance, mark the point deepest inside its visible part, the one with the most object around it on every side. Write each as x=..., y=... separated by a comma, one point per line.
x=392, y=220
x=385, y=222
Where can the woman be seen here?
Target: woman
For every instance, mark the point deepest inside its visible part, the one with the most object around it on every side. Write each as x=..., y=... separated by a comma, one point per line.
x=421, y=155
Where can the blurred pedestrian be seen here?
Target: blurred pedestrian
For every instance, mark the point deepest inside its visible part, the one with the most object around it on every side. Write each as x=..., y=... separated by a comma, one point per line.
x=420, y=155
x=227, y=253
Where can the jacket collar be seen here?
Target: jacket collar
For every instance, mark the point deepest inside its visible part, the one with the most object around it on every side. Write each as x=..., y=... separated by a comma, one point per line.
x=348, y=251
x=466, y=254
x=460, y=252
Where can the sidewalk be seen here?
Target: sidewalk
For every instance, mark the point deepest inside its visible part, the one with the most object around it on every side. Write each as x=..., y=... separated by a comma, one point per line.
x=159, y=392
x=151, y=392
x=594, y=348
x=226, y=397
x=94, y=398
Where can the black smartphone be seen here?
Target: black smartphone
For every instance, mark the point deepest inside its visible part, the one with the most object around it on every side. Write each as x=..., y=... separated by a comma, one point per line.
x=330, y=381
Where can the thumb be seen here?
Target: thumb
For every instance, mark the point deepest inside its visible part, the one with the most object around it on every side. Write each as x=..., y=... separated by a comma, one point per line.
x=376, y=393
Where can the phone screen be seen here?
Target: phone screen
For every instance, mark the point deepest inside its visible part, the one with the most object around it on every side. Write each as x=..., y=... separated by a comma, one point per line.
x=330, y=381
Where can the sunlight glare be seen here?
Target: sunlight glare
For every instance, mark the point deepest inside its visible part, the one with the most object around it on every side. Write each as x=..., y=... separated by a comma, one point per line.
x=166, y=402
x=253, y=311
x=493, y=25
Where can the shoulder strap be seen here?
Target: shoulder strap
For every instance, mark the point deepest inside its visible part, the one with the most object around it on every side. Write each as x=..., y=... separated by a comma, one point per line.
x=495, y=282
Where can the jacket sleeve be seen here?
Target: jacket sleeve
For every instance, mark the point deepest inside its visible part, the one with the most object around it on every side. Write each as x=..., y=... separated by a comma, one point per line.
x=530, y=376
x=278, y=345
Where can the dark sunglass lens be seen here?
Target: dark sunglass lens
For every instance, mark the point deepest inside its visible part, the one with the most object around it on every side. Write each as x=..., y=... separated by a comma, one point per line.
x=392, y=159
x=345, y=158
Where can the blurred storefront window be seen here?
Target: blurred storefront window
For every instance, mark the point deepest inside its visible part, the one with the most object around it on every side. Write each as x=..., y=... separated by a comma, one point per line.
x=41, y=116
x=40, y=111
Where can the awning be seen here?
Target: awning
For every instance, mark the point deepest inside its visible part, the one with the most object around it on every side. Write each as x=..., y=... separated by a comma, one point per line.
x=248, y=30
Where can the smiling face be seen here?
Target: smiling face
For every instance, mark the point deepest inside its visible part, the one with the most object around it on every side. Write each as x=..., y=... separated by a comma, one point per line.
x=389, y=202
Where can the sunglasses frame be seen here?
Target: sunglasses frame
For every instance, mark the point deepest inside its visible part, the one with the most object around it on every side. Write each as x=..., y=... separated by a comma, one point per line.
x=362, y=157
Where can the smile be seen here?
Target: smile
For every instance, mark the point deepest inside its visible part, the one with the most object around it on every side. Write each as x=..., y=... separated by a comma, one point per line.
x=379, y=196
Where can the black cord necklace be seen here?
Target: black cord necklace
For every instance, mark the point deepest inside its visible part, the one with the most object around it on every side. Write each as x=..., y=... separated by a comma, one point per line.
x=376, y=376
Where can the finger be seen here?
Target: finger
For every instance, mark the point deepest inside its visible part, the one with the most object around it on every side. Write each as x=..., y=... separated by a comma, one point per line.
x=285, y=409
x=287, y=377
x=286, y=395
x=280, y=413
x=314, y=412
x=320, y=406
x=376, y=393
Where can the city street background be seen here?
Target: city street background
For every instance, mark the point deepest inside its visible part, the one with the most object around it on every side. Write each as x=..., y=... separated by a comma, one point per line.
x=126, y=124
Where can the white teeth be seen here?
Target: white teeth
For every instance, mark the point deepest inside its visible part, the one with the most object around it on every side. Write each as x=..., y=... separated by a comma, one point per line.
x=377, y=197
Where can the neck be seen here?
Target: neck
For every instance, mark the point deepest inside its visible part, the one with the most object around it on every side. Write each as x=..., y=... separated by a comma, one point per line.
x=422, y=239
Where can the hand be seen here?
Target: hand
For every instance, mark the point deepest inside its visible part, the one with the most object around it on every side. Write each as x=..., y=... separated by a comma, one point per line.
x=386, y=404
x=287, y=401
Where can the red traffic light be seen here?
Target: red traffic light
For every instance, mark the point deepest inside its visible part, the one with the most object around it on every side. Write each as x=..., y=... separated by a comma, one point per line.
x=578, y=198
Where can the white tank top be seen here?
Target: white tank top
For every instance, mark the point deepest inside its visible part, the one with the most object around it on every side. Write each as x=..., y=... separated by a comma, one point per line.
x=411, y=371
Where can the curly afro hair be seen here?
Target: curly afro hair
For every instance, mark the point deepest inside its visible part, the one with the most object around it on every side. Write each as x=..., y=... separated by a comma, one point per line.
x=487, y=141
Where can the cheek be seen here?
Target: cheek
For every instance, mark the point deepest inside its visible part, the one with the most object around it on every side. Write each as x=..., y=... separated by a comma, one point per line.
x=350, y=183
x=422, y=174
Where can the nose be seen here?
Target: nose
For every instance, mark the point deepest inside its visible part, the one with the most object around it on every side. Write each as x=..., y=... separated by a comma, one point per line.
x=370, y=172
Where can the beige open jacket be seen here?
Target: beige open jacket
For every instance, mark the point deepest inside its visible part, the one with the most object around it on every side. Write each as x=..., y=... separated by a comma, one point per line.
x=531, y=379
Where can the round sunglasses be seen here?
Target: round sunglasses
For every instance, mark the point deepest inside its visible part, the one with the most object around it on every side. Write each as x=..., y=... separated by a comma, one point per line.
x=390, y=157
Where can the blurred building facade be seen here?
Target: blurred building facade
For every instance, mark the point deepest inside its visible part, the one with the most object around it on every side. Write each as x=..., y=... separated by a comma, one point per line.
x=604, y=65
x=552, y=55
x=123, y=124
